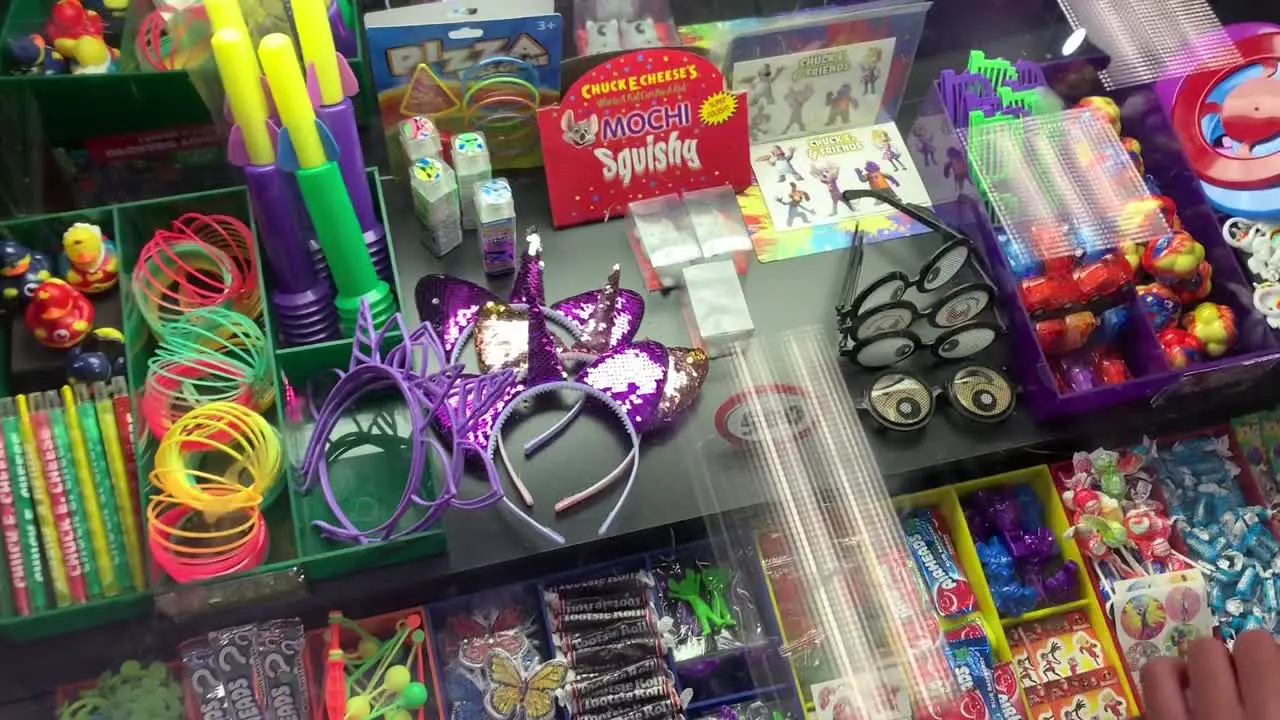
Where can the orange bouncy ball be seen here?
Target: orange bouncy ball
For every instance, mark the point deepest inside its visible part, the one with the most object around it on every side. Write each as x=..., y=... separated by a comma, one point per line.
x=58, y=315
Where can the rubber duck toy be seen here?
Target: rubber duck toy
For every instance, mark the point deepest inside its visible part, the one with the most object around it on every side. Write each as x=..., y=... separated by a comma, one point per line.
x=58, y=315
x=68, y=22
x=30, y=55
x=98, y=358
x=21, y=270
x=89, y=262
x=90, y=56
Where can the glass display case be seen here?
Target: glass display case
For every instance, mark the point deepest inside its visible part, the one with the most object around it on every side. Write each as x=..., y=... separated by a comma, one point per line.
x=1000, y=430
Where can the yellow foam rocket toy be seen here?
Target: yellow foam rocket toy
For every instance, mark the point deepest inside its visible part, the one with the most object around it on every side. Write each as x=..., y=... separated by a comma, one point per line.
x=89, y=262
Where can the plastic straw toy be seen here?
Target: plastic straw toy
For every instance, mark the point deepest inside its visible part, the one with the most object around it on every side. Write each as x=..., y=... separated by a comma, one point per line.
x=125, y=499
x=302, y=301
x=59, y=574
x=18, y=519
x=51, y=434
x=240, y=436
x=95, y=482
x=331, y=84
x=307, y=150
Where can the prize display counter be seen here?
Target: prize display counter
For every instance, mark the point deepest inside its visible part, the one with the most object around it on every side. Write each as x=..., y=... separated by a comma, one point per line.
x=594, y=360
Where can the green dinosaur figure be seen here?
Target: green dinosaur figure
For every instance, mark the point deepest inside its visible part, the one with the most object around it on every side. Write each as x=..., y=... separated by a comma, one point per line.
x=689, y=589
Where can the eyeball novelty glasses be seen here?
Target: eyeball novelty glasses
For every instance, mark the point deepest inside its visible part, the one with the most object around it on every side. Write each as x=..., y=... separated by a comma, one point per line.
x=875, y=323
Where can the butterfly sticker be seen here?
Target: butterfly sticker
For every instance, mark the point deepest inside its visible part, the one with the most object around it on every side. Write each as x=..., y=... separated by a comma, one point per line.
x=477, y=636
x=513, y=695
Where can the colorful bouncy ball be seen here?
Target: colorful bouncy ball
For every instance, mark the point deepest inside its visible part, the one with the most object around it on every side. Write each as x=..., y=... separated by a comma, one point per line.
x=1197, y=287
x=1160, y=305
x=1181, y=348
x=1176, y=256
x=1103, y=107
x=1214, y=326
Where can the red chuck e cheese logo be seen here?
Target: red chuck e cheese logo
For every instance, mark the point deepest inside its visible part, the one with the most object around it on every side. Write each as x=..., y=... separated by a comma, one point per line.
x=645, y=124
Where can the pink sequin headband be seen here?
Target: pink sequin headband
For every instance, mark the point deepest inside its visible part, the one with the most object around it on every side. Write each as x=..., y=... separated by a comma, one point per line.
x=645, y=383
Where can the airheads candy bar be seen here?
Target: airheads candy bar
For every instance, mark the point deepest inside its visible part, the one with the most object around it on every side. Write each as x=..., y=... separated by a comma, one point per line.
x=970, y=658
x=937, y=561
x=1007, y=695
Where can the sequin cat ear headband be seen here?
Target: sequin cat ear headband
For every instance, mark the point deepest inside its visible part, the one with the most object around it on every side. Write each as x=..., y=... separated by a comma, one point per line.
x=644, y=383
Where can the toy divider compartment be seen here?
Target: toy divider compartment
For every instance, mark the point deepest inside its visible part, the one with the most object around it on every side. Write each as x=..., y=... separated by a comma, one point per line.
x=1143, y=119
x=375, y=188
x=33, y=366
x=752, y=666
x=526, y=595
x=369, y=461
x=946, y=504
x=137, y=223
x=384, y=627
x=1041, y=481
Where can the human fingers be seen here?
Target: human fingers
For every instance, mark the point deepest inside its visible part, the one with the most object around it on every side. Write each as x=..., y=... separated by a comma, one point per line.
x=1257, y=661
x=1212, y=678
x=1164, y=682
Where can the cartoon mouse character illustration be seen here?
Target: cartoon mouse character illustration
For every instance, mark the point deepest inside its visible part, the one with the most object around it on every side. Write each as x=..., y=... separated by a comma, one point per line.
x=795, y=97
x=828, y=173
x=579, y=133
x=839, y=103
x=794, y=202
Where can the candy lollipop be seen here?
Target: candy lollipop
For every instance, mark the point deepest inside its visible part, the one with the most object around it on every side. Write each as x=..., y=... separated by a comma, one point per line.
x=1106, y=464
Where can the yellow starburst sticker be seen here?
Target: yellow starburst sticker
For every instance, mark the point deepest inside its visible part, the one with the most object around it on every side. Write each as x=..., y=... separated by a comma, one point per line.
x=718, y=108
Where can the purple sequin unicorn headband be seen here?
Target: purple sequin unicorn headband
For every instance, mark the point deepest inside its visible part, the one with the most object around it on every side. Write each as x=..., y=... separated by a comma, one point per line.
x=644, y=383
x=431, y=387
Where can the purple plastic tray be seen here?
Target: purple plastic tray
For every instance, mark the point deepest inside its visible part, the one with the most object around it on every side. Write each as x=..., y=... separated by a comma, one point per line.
x=1258, y=348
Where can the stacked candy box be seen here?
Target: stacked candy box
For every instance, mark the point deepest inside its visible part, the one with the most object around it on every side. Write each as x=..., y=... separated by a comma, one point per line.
x=382, y=662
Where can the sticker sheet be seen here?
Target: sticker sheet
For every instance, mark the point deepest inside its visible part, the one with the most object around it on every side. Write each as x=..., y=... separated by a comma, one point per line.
x=834, y=699
x=828, y=89
x=1063, y=671
x=1160, y=616
x=796, y=207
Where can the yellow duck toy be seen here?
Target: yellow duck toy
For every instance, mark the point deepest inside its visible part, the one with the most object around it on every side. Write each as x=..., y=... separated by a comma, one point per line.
x=89, y=259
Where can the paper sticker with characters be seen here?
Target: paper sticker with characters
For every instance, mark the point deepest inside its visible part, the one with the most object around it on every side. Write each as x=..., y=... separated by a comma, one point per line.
x=1159, y=616
x=644, y=124
x=1063, y=671
x=829, y=89
x=797, y=209
x=890, y=697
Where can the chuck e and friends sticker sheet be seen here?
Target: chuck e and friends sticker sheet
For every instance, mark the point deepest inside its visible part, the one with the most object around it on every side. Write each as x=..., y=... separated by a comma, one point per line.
x=820, y=102
x=641, y=125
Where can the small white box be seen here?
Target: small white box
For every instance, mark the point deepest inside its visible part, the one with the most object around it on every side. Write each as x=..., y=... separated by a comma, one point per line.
x=718, y=306
x=717, y=221
x=664, y=234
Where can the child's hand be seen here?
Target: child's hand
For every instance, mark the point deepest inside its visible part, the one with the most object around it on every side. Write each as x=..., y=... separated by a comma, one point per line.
x=1215, y=684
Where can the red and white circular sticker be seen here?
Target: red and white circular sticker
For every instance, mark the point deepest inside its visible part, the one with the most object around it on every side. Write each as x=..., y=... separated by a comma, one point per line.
x=749, y=416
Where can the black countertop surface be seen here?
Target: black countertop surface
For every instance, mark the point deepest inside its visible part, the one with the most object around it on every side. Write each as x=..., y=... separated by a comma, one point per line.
x=485, y=548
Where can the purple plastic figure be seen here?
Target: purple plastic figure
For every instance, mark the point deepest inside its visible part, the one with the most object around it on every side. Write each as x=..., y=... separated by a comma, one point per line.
x=1062, y=586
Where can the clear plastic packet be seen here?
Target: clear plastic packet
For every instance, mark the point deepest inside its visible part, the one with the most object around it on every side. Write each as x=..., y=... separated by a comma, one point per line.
x=710, y=603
